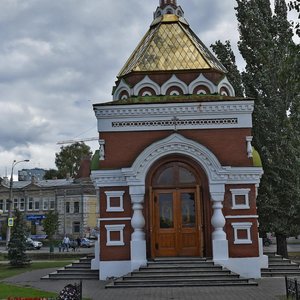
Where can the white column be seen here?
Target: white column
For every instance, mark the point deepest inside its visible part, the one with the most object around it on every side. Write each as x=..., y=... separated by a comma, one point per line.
x=220, y=243
x=138, y=242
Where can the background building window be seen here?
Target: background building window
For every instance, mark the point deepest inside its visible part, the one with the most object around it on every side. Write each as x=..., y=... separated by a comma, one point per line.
x=16, y=202
x=36, y=204
x=6, y=205
x=45, y=204
x=22, y=204
x=1, y=204
x=67, y=207
x=30, y=204
x=76, y=207
x=52, y=204
x=76, y=227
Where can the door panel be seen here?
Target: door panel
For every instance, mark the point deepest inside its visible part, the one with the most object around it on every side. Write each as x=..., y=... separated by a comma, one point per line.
x=188, y=228
x=176, y=230
x=166, y=240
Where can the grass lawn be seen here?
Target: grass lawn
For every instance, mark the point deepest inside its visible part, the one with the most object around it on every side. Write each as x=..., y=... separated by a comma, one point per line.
x=9, y=271
x=7, y=290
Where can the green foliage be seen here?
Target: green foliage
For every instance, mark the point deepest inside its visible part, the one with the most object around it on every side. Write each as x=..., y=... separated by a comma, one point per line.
x=69, y=158
x=53, y=174
x=295, y=5
x=226, y=56
x=272, y=78
x=51, y=224
x=17, y=244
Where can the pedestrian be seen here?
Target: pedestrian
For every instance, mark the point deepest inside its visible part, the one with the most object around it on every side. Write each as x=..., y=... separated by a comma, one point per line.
x=60, y=244
x=66, y=242
x=78, y=243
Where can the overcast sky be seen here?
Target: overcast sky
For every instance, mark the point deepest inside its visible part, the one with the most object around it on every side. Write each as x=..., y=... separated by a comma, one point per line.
x=58, y=57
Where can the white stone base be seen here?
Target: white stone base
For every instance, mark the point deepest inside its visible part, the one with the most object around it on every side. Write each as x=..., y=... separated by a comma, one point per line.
x=138, y=254
x=247, y=267
x=96, y=261
x=114, y=268
x=220, y=249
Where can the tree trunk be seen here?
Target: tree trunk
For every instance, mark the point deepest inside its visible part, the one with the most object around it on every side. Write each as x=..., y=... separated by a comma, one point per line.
x=281, y=245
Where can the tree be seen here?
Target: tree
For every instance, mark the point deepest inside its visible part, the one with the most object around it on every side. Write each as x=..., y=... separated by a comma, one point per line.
x=50, y=225
x=226, y=56
x=52, y=174
x=295, y=5
x=17, y=244
x=267, y=47
x=68, y=159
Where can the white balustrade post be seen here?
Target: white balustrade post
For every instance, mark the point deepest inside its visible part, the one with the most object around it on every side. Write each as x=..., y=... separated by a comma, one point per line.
x=138, y=242
x=219, y=239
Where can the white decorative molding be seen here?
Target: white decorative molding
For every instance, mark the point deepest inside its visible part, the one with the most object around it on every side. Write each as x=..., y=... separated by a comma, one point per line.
x=249, y=146
x=242, y=226
x=123, y=86
x=219, y=107
x=174, y=81
x=114, y=194
x=177, y=144
x=226, y=84
x=241, y=217
x=101, y=150
x=114, y=219
x=108, y=178
x=240, y=192
x=144, y=83
x=201, y=80
x=115, y=228
x=202, y=115
x=181, y=123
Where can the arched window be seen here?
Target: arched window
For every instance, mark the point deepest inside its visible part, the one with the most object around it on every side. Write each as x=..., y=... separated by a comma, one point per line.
x=174, y=174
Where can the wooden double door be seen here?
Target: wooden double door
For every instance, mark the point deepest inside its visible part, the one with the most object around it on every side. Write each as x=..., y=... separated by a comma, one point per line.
x=177, y=223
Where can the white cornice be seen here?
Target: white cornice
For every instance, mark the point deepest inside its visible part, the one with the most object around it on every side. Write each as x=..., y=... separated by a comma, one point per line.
x=199, y=115
x=167, y=109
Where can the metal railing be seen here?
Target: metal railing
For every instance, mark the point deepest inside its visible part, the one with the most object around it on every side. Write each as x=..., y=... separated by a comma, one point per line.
x=292, y=288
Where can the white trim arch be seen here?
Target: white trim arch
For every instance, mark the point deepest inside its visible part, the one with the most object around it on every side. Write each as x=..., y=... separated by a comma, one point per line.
x=144, y=83
x=201, y=80
x=178, y=144
x=123, y=86
x=174, y=81
x=226, y=84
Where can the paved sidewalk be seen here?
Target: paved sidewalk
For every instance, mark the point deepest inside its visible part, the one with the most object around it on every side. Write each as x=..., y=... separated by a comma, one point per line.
x=268, y=288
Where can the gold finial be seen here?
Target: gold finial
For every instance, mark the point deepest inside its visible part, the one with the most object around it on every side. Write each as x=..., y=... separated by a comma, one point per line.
x=164, y=3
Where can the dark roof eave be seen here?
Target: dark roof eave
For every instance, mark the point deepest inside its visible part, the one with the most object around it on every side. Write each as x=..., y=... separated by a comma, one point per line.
x=172, y=99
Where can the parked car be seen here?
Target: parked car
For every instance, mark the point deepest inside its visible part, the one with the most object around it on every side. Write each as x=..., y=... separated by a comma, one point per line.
x=86, y=243
x=31, y=244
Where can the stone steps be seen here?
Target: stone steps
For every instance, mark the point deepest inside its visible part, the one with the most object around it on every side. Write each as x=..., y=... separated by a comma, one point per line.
x=280, y=267
x=164, y=272
x=77, y=270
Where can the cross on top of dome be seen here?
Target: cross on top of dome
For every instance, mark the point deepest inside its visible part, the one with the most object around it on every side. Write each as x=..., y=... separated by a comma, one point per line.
x=163, y=3
x=168, y=7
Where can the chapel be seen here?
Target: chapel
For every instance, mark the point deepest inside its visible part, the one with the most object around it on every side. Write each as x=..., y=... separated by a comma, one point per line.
x=175, y=172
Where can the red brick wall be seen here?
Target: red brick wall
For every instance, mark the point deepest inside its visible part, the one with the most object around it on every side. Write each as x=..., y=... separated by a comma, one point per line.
x=229, y=145
x=108, y=253
x=240, y=250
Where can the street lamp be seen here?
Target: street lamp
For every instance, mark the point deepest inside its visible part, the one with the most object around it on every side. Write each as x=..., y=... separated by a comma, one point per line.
x=11, y=196
x=1, y=212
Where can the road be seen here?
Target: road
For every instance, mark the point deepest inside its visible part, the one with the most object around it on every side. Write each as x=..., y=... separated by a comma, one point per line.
x=46, y=250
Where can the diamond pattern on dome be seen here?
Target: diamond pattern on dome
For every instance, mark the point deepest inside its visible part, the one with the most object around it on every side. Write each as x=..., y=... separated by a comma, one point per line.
x=168, y=47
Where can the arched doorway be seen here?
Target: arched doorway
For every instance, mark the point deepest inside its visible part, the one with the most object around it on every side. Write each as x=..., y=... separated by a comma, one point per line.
x=176, y=210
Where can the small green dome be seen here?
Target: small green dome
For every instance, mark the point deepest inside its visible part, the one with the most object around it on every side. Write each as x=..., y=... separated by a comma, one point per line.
x=95, y=164
x=256, y=158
